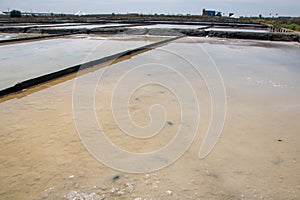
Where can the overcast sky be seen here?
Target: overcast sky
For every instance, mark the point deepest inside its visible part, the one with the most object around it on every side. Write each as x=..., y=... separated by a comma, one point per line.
x=240, y=7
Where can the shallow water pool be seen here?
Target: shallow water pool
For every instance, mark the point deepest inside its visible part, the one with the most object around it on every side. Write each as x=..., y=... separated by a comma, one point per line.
x=256, y=157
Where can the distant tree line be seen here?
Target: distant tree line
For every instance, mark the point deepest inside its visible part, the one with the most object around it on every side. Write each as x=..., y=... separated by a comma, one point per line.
x=15, y=13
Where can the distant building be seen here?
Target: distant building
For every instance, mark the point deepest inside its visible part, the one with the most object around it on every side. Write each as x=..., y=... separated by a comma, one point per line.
x=210, y=13
x=219, y=14
x=80, y=13
x=234, y=16
x=30, y=13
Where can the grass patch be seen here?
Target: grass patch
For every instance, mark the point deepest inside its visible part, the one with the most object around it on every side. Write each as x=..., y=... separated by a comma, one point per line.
x=289, y=23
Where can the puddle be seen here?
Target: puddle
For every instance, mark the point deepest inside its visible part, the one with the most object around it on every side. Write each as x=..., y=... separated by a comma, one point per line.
x=90, y=26
x=42, y=155
x=238, y=30
x=21, y=25
x=178, y=26
x=24, y=61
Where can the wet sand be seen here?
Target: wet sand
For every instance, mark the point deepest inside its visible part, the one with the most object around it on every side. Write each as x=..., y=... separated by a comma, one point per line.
x=8, y=36
x=257, y=156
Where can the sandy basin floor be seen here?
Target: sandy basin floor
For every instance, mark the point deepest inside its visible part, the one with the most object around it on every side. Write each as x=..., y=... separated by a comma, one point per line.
x=256, y=157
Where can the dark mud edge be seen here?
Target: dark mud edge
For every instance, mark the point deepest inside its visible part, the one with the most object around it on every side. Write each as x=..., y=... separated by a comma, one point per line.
x=31, y=38
x=271, y=36
x=48, y=77
x=286, y=37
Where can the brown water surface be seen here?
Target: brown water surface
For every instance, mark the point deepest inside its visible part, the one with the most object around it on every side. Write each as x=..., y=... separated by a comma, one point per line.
x=257, y=156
